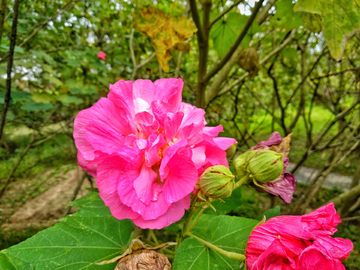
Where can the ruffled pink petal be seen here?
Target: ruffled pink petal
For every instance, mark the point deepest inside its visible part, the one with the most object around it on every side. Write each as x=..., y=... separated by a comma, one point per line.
x=336, y=248
x=146, y=124
x=152, y=155
x=192, y=133
x=213, y=131
x=182, y=177
x=172, y=124
x=143, y=184
x=274, y=139
x=116, y=178
x=146, y=90
x=314, y=259
x=105, y=113
x=102, y=138
x=214, y=154
x=171, y=90
x=275, y=257
x=173, y=214
x=224, y=143
x=198, y=156
x=85, y=165
x=192, y=115
x=121, y=94
x=109, y=173
x=287, y=228
x=170, y=152
x=160, y=109
x=322, y=221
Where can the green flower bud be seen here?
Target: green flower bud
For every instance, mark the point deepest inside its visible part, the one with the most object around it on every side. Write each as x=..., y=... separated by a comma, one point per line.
x=230, y=152
x=217, y=182
x=266, y=166
x=241, y=163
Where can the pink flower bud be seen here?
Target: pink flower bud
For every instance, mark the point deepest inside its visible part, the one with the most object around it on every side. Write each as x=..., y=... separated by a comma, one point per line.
x=101, y=55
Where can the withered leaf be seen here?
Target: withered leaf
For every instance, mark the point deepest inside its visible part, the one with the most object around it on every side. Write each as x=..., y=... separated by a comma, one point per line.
x=166, y=33
x=284, y=146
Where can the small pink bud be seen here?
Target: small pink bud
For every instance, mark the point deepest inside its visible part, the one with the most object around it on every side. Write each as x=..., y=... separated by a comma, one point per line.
x=348, y=71
x=101, y=55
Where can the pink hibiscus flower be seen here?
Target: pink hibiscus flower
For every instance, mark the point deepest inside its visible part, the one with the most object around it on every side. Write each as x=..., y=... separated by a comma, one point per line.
x=147, y=150
x=101, y=55
x=298, y=243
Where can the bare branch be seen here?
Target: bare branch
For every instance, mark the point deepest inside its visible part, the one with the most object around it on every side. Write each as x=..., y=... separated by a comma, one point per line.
x=196, y=19
x=262, y=61
x=9, y=67
x=3, y=5
x=237, y=42
x=67, y=7
x=264, y=11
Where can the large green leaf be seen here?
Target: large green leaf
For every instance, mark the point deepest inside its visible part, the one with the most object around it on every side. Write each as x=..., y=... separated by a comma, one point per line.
x=285, y=15
x=226, y=232
x=340, y=20
x=225, y=32
x=10, y=262
x=91, y=235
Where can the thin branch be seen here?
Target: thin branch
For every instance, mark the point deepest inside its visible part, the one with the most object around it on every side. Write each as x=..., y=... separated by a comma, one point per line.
x=9, y=67
x=132, y=54
x=3, y=5
x=262, y=62
x=305, y=78
x=237, y=42
x=277, y=95
x=132, y=49
x=218, y=17
x=317, y=141
x=67, y=7
x=196, y=19
x=23, y=154
x=263, y=105
x=334, y=73
x=264, y=11
x=177, y=69
x=143, y=63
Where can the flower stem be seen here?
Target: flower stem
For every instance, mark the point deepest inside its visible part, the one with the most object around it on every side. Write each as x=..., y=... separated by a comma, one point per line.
x=231, y=255
x=153, y=236
x=196, y=219
x=241, y=182
x=191, y=214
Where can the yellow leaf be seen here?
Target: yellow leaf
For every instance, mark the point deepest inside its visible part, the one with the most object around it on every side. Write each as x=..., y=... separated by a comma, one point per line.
x=166, y=33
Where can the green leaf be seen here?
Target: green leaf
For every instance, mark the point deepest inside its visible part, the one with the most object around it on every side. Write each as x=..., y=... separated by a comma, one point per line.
x=312, y=21
x=229, y=204
x=286, y=16
x=225, y=32
x=10, y=262
x=35, y=106
x=73, y=62
x=16, y=96
x=274, y=212
x=17, y=49
x=43, y=97
x=53, y=80
x=228, y=233
x=340, y=20
x=67, y=100
x=43, y=55
x=90, y=235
